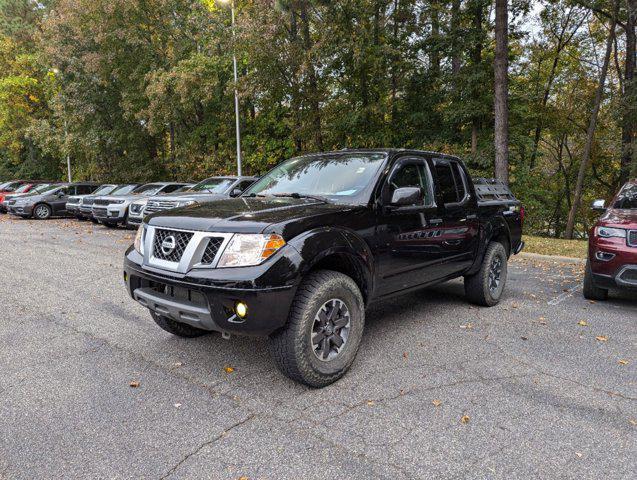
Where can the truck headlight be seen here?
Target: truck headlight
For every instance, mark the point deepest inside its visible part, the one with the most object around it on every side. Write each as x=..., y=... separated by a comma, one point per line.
x=608, y=232
x=139, y=240
x=250, y=249
x=186, y=203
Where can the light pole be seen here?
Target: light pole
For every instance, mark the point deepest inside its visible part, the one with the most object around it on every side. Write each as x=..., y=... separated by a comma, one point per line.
x=236, y=92
x=66, y=131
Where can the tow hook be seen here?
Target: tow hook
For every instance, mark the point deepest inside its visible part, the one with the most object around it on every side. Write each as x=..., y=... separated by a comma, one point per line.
x=225, y=335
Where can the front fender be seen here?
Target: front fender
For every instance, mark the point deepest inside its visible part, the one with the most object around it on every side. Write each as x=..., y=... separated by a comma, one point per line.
x=318, y=244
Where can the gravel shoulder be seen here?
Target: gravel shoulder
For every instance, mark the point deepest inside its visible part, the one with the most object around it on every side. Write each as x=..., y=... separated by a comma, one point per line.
x=543, y=385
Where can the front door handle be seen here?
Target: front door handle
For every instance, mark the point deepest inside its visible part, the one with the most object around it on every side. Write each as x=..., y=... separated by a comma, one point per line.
x=435, y=221
x=472, y=216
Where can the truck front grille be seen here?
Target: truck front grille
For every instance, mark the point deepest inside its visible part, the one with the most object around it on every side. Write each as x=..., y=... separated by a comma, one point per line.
x=178, y=241
x=211, y=250
x=632, y=238
x=157, y=206
x=101, y=201
x=88, y=201
x=100, y=212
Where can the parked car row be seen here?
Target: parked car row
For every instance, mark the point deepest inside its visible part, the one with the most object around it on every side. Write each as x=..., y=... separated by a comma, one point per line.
x=112, y=204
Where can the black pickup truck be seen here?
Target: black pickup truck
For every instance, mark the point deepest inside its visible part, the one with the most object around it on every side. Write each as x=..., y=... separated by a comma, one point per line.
x=303, y=251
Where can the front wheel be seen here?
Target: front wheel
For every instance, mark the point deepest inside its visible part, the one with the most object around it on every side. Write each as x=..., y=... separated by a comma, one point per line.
x=324, y=330
x=486, y=286
x=42, y=211
x=590, y=290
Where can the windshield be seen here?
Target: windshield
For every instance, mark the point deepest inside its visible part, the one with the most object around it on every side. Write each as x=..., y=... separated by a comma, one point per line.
x=124, y=189
x=2, y=185
x=40, y=188
x=213, y=185
x=104, y=190
x=23, y=188
x=627, y=198
x=185, y=188
x=339, y=177
x=148, y=189
x=44, y=189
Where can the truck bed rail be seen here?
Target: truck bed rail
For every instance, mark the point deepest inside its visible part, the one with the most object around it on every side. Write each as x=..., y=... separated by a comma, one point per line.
x=492, y=191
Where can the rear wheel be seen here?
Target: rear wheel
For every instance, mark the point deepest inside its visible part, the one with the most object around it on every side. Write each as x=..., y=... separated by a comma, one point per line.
x=590, y=290
x=42, y=211
x=95, y=220
x=324, y=330
x=177, y=328
x=486, y=286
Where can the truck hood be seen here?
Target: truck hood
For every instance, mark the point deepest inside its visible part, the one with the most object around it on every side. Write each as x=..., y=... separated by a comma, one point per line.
x=619, y=217
x=286, y=216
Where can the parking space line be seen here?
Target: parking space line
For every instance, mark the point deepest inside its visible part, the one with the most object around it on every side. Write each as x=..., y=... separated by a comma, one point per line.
x=563, y=296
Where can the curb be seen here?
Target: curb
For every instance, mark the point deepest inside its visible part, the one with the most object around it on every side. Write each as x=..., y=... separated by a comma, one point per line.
x=551, y=258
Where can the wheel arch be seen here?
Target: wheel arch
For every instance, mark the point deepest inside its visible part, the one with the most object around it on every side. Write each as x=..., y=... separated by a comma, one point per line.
x=339, y=250
x=495, y=230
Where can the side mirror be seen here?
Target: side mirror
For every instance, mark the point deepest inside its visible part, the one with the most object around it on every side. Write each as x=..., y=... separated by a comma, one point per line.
x=236, y=192
x=407, y=196
x=599, y=205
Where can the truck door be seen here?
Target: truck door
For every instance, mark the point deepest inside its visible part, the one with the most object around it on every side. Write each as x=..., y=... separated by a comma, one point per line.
x=459, y=213
x=409, y=237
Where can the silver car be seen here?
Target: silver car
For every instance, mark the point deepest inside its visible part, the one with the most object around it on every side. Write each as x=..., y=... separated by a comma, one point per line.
x=211, y=189
x=113, y=210
x=74, y=203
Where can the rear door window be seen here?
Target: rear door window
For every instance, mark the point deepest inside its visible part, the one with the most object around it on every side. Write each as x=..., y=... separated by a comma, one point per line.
x=451, y=181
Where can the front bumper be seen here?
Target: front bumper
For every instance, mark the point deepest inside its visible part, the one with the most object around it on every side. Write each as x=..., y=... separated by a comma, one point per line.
x=204, y=302
x=72, y=209
x=613, y=263
x=109, y=213
x=134, y=221
x=21, y=210
x=624, y=278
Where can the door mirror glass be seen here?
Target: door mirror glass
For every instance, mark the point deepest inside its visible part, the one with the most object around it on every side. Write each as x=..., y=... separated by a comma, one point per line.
x=599, y=205
x=407, y=196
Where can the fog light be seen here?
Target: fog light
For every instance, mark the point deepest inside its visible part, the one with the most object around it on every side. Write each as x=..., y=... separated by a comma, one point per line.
x=604, y=256
x=241, y=309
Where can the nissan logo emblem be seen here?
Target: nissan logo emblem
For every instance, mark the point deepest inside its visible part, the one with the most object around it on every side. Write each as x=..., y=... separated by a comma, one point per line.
x=168, y=245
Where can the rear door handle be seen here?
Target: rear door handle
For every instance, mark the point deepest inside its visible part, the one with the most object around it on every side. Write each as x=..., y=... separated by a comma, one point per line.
x=472, y=216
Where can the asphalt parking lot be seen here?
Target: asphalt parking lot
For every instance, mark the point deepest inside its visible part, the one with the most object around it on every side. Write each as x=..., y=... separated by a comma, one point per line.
x=542, y=386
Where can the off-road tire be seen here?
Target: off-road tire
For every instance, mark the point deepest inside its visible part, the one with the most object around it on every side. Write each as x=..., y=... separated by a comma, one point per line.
x=95, y=221
x=177, y=328
x=291, y=346
x=477, y=287
x=590, y=290
x=109, y=224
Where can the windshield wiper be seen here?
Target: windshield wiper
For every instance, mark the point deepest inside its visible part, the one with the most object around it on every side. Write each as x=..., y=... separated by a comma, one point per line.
x=302, y=195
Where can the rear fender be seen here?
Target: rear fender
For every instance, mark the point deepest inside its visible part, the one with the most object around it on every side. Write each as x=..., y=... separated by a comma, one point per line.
x=496, y=227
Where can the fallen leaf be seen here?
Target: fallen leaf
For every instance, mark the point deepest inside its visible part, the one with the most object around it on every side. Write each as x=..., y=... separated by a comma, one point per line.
x=228, y=369
x=578, y=454
x=623, y=362
x=582, y=323
x=465, y=419
x=602, y=338
x=134, y=383
x=436, y=403
x=633, y=421
x=178, y=364
x=370, y=403
x=177, y=405
x=405, y=354
x=524, y=338
x=591, y=301
x=468, y=326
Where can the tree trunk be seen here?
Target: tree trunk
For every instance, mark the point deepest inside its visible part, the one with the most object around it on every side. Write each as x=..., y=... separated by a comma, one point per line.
x=476, y=58
x=501, y=102
x=590, y=134
x=455, y=40
x=629, y=120
x=435, y=37
x=313, y=93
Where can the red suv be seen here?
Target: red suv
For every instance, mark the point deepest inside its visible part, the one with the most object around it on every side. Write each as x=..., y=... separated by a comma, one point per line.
x=612, y=246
